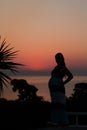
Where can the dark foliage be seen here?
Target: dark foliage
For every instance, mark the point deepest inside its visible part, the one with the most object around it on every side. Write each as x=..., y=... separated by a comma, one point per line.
x=14, y=114
x=77, y=102
x=26, y=91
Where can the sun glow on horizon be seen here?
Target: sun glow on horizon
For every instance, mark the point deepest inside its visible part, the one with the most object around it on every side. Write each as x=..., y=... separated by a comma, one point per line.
x=34, y=65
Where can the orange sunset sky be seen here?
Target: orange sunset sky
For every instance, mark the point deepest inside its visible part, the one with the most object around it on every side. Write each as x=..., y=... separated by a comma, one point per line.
x=41, y=28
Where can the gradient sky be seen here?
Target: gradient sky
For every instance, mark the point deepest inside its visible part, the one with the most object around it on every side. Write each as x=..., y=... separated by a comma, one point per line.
x=41, y=28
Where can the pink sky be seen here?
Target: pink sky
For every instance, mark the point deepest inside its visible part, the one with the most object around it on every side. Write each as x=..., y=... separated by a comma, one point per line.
x=41, y=28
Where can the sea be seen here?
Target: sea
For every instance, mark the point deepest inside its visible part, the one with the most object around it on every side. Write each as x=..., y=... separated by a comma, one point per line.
x=41, y=82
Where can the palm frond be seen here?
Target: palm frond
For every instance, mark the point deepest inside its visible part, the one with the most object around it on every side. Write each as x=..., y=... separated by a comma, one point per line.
x=6, y=52
x=12, y=66
x=4, y=80
x=2, y=44
x=6, y=56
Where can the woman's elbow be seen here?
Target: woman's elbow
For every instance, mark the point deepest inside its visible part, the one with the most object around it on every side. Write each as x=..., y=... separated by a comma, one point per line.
x=71, y=77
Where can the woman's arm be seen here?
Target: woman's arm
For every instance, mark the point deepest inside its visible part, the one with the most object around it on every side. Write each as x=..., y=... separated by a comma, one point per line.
x=69, y=76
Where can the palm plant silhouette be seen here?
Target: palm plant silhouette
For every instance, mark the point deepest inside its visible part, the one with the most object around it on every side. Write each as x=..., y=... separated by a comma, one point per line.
x=6, y=63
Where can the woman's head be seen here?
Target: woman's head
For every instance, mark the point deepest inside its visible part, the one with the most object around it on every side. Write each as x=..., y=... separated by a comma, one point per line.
x=60, y=59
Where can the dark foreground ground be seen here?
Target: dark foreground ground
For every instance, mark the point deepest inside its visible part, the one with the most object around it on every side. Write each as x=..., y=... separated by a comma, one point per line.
x=29, y=116
x=23, y=115
x=50, y=128
x=67, y=128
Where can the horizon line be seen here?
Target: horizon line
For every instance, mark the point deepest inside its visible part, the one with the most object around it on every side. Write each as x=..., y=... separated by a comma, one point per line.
x=28, y=72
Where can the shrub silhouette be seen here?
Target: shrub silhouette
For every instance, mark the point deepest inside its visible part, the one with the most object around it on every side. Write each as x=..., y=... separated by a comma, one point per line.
x=26, y=91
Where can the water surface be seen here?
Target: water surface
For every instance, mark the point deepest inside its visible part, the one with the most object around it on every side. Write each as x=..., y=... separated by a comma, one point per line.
x=41, y=82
